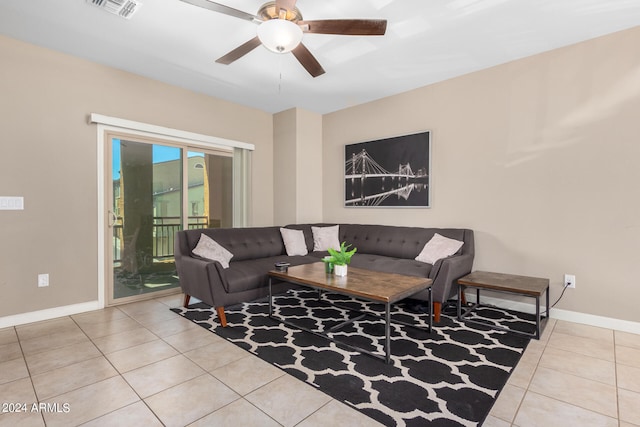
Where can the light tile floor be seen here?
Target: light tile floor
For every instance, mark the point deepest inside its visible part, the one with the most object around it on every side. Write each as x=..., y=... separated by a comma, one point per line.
x=575, y=375
x=140, y=364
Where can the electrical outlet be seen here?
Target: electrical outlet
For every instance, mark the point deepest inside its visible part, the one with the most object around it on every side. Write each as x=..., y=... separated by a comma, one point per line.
x=569, y=281
x=43, y=280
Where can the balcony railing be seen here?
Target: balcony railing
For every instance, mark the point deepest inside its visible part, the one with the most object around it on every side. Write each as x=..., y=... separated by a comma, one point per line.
x=164, y=232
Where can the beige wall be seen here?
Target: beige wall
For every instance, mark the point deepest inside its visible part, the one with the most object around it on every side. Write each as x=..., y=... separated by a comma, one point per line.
x=309, y=167
x=538, y=156
x=297, y=167
x=284, y=167
x=48, y=154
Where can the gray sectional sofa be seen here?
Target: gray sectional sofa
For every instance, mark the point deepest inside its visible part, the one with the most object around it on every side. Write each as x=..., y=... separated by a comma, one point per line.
x=256, y=250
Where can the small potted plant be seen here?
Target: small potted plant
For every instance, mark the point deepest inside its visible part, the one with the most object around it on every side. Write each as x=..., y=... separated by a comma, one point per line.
x=340, y=259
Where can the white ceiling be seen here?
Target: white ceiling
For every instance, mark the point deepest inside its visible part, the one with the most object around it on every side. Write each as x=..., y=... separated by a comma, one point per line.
x=426, y=42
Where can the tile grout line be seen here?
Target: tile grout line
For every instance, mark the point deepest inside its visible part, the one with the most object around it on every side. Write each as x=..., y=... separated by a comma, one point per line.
x=118, y=372
x=33, y=386
x=309, y=415
x=615, y=364
x=544, y=347
x=179, y=353
x=537, y=364
x=243, y=397
x=615, y=378
x=201, y=367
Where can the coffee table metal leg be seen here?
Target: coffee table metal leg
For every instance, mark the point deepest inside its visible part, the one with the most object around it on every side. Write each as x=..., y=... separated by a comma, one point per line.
x=547, y=291
x=459, y=303
x=537, y=317
x=270, y=299
x=387, y=327
x=430, y=311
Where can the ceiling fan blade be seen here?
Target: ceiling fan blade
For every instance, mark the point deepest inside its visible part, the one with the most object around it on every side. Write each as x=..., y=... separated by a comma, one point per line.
x=285, y=4
x=239, y=52
x=308, y=61
x=217, y=7
x=349, y=27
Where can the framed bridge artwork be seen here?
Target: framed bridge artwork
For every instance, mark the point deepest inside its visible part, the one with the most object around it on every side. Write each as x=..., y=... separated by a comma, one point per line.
x=391, y=172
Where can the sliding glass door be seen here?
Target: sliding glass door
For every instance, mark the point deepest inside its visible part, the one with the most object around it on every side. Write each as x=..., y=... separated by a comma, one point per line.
x=146, y=211
x=156, y=190
x=210, y=189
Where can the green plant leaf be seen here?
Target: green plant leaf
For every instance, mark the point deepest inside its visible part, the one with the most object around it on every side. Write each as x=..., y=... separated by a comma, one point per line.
x=342, y=257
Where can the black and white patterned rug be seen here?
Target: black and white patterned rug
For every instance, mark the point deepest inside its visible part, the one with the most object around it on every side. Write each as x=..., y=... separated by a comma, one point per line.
x=450, y=377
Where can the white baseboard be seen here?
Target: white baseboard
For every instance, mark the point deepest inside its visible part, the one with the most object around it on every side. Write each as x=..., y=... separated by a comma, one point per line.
x=570, y=316
x=48, y=314
x=556, y=313
x=600, y=321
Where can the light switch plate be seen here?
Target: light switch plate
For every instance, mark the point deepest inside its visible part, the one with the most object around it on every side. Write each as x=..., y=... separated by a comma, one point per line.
x=11, y=203
x=43, y=280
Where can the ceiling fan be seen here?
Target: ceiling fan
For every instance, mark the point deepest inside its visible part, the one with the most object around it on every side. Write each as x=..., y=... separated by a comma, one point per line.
x=281, y=27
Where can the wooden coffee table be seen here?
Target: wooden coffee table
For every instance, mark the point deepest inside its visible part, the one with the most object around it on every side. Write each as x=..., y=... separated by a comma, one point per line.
x=374, y=286
x=510, y=283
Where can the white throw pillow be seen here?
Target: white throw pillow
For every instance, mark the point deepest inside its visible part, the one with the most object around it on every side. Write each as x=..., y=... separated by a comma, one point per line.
x=294, y=241
x=210, y=249
x=325, y=238
x=438, y=247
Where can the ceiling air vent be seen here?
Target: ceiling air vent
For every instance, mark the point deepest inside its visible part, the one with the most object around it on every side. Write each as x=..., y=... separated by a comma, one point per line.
x=122, y=8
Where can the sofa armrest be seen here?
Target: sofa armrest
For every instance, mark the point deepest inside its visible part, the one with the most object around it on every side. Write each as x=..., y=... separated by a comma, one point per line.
x=198, y=278
x=444, y=274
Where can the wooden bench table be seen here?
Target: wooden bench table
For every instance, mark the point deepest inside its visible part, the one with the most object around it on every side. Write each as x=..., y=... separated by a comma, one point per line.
x=533, y=287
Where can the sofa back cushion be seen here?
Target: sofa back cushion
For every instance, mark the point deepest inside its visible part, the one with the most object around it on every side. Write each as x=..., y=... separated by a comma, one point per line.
x=393, y=241
x=389, y=240
x=243, y=243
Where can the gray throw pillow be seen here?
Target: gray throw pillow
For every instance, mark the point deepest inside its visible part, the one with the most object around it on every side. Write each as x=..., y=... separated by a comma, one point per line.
x=437, y=248
x=325, y=238
x=294, y=241
x=210, y=249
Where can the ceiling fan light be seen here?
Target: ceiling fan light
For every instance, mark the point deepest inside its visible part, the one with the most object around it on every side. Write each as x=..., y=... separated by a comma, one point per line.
x=279, y=35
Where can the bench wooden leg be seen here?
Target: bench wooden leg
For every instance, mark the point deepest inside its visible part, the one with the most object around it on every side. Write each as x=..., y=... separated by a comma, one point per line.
x=186, y=300
x=464, y=299
x=437, y=308
x=222, y=316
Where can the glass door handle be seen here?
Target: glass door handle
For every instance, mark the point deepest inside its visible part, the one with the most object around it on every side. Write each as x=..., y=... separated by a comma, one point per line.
x=112, y=219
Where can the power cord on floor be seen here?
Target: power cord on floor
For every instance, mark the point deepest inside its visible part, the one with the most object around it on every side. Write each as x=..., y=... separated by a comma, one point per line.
x=560, y=297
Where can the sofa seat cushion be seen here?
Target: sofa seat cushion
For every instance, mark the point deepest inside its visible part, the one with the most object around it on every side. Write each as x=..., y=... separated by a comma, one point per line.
x=319, y=254
x=251, y=274
x=385, y=264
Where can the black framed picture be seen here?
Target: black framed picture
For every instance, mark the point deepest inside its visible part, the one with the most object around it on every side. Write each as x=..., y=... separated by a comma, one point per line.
x=391, y=172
